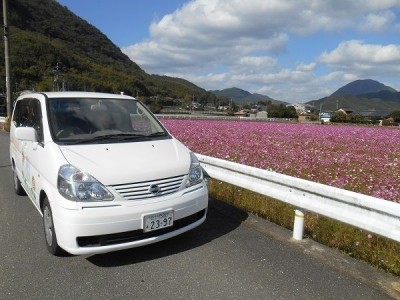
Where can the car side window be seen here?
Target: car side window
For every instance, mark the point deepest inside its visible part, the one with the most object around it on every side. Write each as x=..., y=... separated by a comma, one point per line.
x=20, y=114
x=28, y=113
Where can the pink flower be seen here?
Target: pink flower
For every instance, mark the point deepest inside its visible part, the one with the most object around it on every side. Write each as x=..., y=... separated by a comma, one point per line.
x=363, y=159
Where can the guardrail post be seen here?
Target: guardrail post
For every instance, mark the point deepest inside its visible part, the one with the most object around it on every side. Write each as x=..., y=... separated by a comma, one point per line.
x=298, y=227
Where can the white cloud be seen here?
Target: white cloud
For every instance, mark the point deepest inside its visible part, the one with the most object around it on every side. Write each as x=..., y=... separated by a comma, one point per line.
x=378, y=22
x=361, y=57
x=253, y=64
x=306, y=67
x=218, y=44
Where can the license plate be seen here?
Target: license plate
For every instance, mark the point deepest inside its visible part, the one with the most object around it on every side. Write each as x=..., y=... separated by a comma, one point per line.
x=158, y=221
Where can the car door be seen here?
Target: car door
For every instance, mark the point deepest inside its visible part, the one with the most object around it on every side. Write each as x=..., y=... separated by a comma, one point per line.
x=20, y=119
x=32, y=153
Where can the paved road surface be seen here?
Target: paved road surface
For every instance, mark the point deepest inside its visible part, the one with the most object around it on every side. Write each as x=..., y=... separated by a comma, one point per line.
x=233, y=255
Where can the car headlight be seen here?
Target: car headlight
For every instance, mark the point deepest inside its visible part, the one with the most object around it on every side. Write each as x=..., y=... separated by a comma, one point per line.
x=195, y=175
x=76, y=185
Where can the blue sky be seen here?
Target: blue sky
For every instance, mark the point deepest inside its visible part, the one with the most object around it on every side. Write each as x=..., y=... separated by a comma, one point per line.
x=295, y=51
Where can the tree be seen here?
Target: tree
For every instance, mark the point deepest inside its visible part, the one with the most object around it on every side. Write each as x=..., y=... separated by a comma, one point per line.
x=396, y=116
x=44, y=33
x=281, y=111
x=339, y=117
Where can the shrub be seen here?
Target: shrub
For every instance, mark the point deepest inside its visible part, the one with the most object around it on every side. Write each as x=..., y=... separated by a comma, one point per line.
x=6, y=125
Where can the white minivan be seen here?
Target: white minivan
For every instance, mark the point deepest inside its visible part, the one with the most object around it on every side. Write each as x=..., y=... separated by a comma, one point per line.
x=103, y=172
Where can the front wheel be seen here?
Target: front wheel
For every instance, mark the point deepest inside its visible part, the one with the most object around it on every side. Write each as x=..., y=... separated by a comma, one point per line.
x=18, y=189
x=49, y=232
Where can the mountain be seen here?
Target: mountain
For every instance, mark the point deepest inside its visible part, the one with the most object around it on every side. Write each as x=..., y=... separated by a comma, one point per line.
x=366, y=86
x=51, y=48
x=243, y=97
x=361, y=95
x=384, y=95
x=234, y=93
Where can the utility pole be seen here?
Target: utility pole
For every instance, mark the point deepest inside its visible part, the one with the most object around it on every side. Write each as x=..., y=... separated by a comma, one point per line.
x=192, y=105
x=320, y=111
x=7, y=59
x=56, y=71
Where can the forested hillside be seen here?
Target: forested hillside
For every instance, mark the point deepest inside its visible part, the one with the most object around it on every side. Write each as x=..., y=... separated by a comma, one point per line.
x=364, y=95
x=363, y=86
x=44, y=35
x=244, y=97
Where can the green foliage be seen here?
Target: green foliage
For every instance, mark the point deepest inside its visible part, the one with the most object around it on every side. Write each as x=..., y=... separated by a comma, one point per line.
x=244, y=97
x=356, y=119
x=396, y=116
x=44, y=34
x=359, y=102
x=339, y=117
x=264, y=103
x=7, y=124
x=281, y=111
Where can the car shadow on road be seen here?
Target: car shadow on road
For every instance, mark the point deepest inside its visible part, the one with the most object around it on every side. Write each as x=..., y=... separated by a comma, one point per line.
x=221, y=219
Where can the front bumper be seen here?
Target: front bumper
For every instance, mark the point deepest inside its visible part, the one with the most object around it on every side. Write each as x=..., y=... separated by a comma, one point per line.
x=117, y=226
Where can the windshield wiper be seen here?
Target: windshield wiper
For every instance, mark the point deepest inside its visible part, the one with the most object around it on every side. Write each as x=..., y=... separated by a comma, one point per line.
x=111, y=137
x=115, y=137
x=158, y=134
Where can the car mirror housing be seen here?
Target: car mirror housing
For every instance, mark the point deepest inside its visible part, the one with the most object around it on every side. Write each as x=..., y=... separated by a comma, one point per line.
x=26, y=134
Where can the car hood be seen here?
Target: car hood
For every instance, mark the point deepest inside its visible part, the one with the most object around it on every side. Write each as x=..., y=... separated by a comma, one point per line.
x=120, y=163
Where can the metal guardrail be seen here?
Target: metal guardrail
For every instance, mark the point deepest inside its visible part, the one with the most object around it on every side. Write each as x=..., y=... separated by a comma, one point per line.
x=372, y=214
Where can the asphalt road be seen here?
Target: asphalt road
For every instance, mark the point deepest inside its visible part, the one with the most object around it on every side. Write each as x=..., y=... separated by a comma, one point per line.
x=233, y=255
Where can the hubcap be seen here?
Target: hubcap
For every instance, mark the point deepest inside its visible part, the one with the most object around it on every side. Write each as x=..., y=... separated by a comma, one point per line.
x=48, y=227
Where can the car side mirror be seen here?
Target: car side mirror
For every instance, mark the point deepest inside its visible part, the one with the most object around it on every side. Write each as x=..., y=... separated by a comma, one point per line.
x=26, y=134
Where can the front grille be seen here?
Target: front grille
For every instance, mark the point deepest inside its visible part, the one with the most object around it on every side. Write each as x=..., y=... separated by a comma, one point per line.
x=136, y=235
x=141, y=190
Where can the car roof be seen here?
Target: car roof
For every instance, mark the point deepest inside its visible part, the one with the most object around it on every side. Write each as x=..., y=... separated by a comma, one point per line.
x=76, y=95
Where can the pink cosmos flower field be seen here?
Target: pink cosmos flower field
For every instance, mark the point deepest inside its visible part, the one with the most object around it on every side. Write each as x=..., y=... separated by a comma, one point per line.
x=358, y=158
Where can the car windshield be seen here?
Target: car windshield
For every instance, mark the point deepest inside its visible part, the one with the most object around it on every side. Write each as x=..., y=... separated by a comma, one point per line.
x=94, y=120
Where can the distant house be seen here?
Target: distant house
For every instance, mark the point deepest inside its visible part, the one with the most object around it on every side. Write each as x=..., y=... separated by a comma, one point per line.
x=302, y=108
x=304, y=118
x=345, y=110
x=299, y=107
x=242, y=113
x=262, y=115
x=254, y=109
x=366, y=116
x=325, y=118
x=210, y=106
x=377, y=114
x=259, y=115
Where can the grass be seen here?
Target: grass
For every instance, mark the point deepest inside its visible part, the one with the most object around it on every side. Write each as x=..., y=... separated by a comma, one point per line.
x=380, y=252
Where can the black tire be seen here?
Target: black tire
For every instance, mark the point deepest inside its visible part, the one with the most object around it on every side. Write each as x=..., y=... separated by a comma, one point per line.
x=18, y=189
x=49, y=232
